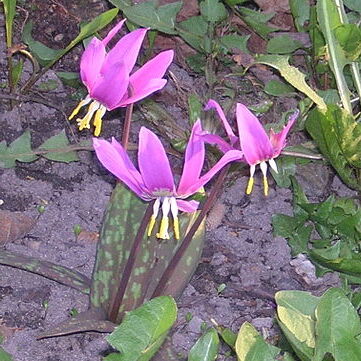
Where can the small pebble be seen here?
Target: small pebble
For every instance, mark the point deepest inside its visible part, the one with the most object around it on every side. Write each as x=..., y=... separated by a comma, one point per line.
x=59, y=37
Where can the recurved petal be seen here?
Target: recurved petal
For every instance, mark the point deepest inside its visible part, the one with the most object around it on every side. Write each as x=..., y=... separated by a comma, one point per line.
x=254, y=141
x=152, y=86
x=111, y=86
x=212, y=104
x=153, y=162
x=112, y=32
x=126, y=50
x=278, y=140
x=116, y=160
x=91, y=62
x=193, y=159
x=230, y=156
x=215, y=139
x=187, y=206
x=153, y=69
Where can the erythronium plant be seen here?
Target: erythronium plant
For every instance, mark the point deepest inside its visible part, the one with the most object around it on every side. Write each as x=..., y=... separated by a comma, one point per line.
x=107, y=75
x=257, y=147
x=155, y=180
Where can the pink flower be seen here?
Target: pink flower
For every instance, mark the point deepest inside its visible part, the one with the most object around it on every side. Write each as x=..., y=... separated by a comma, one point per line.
x=107, y=75
x=154, y=180
x=256, y=145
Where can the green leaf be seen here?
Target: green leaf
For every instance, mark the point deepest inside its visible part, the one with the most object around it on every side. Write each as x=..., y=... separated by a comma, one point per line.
x=250, y=345
x=160, y=18
x=353, y=5
x=206, y=347
x=292, y=75
x=300, y=10
x=144, y=329
x=349, y=37
x=121, y=4
x=17, y=72
x=43, y=53
x=195, y=108
x=329, y=19
x=213, y=11
x=10, y=11
x=18, y=150
x=235, y=41
x=193, y=31
x=284, y=225
x=283, y=44
x=4, y=356
x=69, y=78
x=295, y=310
x=279, y=89
x=337, y=326
x=56, y=145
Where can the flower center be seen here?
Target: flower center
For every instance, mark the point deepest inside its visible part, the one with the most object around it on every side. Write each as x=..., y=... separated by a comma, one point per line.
x=263, y=166
x=94, y=107
x=168, y=204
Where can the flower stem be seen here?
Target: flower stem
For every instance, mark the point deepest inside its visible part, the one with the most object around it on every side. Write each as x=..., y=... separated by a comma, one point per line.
x=188, y=238
x=116, y=303
x=127, y=120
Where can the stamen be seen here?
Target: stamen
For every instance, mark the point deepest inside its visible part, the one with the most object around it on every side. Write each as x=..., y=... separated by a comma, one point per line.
x=85, y=122
x=98, y=120
x=164, y=223
x=264, y=167
x=79, y=106
x=251, y=179
x=154, y=216
x=273, y=165
x=174, y=211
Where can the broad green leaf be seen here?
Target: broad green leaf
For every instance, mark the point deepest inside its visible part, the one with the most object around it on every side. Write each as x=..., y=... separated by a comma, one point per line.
x=337, y=326
x=213, y=11
x=300, y=10
x=349, y=37
x=206, y=347
x=44, y=54
x=69, y=78
x=228, y=336
x=10, y=11
x=4, y=356
x=292, y=75
x=56, y=145
x=193, y=31
x=250, y=345
x=284, y=225
x=295, y=310
x=283, y=44
x=278, y=88
x=143, y=330
x=148, y=14
x=234, y=41
x=329, y=19
x=18, y=150
x=121, y=4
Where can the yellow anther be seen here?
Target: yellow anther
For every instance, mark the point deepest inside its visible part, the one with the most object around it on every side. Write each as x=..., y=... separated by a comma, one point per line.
x=151, y=225
x=79, y=106
x=85, y=122
x=163, y=229
x=98, y=120
x=250, y=185
x=265, y=186
x=176, y=227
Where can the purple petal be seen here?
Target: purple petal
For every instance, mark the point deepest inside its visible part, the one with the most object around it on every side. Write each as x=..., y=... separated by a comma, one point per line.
x=230, y=156
x=254, y=141
x=112, y=32
x=126, y=50
x=212, y=104
x=111, y=86
x=152, y=86
x=153, y=162
x=193, y=159
x=91, y=62
x=114, y=158
x=187, y=206
x=153, y=69
x=216, y=140
x=278, y=140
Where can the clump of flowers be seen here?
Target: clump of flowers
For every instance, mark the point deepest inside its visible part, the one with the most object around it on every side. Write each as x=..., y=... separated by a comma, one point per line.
x=108, y=78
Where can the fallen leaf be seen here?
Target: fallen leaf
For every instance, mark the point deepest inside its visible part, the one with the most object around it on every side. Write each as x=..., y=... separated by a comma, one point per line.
x=88, y=236
x=277, y=6
x=14, y=225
